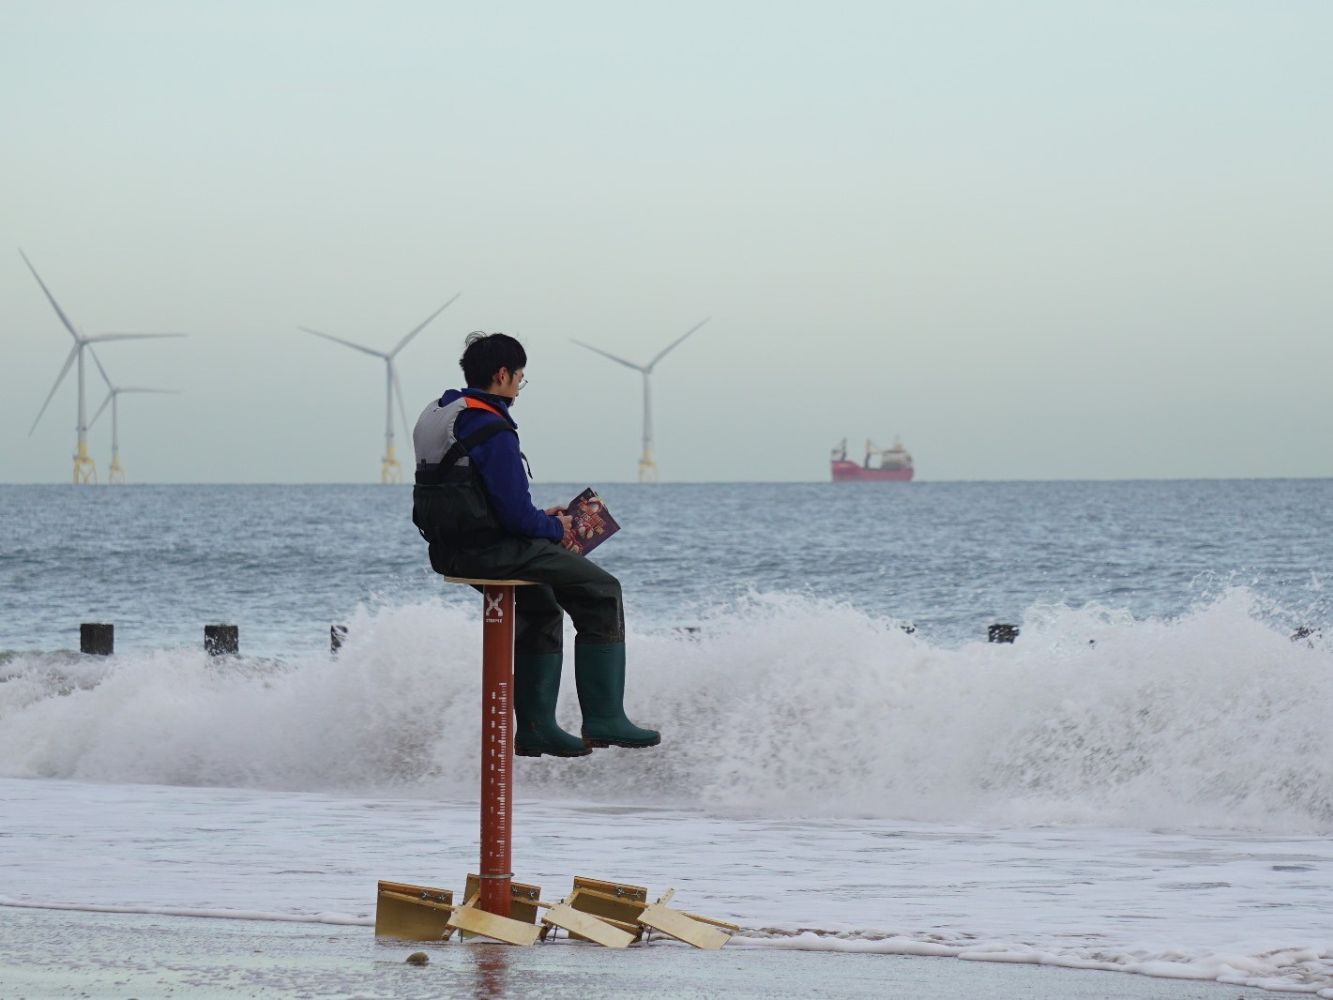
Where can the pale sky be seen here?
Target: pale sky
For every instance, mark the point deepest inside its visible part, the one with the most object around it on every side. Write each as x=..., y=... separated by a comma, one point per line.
x=1038, y=240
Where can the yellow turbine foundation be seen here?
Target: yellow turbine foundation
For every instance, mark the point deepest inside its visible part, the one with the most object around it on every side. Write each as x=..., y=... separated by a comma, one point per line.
x=390, y=470
x=647, y=468
x=85, y=469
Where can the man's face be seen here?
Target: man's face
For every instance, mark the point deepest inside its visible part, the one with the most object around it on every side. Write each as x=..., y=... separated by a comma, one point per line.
x=509, y=383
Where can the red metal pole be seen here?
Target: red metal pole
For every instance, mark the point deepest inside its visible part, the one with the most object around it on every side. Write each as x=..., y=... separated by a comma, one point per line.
x=497, y=746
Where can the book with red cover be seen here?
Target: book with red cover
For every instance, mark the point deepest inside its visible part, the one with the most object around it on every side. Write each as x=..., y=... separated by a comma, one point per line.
x=592, y=522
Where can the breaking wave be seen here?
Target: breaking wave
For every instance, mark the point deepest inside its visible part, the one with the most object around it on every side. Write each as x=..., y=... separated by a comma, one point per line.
x=779, y=703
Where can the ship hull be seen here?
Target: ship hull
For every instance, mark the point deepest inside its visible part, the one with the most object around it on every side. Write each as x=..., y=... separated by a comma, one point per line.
x=850, y=472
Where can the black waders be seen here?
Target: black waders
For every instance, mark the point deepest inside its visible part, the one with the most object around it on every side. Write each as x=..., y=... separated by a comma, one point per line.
x=599, y=669
x=536, y=688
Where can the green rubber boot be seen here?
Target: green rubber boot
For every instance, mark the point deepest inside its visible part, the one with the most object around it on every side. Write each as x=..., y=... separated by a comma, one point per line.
x=536, y=688
x=600, y=673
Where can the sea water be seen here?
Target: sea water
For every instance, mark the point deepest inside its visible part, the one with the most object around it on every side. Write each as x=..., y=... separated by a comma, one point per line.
x=1142, y=781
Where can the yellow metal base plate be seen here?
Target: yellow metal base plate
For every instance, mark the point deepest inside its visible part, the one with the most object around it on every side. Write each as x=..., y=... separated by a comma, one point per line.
x=585, y=925
x=413, y=912
x=614, y=901
x=475, y=921
x=677, y=925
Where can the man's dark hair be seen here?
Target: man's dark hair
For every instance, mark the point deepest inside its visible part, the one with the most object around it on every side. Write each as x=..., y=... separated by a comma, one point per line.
x=486, y=353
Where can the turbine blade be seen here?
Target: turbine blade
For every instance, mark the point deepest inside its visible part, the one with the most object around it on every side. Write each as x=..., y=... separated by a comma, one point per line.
x=607, y=354
x=132, y=336
x=109, y=397
x=402, y=406
x=676, y=343
x=105, y=377
x=403, y=343
x=345, y=343
x=69, y=362
x=51, y=298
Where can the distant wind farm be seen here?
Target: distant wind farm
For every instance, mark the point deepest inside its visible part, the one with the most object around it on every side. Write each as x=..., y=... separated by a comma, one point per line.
x=116, y=473
x=647, y=463
x=391, y=470
x=84, y=470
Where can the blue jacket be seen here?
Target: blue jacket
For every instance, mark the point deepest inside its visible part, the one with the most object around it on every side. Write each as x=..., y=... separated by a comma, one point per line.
x=501, y=468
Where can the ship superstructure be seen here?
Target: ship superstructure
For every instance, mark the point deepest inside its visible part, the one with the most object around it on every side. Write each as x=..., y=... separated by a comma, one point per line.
x=880, y=464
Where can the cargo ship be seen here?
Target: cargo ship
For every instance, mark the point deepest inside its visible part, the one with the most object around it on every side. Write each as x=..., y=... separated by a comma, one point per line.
x=881, y=464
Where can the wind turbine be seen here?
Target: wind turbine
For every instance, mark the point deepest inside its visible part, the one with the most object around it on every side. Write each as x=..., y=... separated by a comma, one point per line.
x=647, y=467
x=116, y=474
x=85, y=471
x=390, y=470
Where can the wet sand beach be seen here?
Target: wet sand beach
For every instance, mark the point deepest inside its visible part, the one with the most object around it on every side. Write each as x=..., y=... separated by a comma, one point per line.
x=49, y=953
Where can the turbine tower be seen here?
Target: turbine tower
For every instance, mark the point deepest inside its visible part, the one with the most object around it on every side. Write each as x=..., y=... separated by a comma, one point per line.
x=116, y=474
x=647, y=467
x=85, y=470
x=390, y=470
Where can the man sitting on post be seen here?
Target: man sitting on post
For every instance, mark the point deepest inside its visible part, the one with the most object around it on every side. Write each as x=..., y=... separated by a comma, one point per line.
x=471, y=503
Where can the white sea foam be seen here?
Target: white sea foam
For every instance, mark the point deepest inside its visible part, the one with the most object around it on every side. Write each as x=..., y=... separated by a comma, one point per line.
x=779, y=705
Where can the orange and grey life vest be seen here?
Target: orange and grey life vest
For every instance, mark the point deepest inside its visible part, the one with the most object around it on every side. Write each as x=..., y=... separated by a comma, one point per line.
x=449, y=503
x=435, y=438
